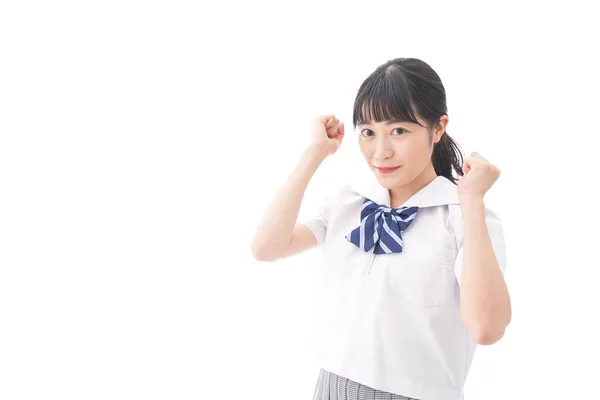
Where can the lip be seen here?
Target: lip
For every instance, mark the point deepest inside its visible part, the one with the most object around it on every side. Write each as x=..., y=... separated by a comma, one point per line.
x=387, y=170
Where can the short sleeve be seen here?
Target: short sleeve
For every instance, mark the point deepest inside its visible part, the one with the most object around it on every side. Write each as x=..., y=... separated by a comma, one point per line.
x=316, y=217
x=496, y=232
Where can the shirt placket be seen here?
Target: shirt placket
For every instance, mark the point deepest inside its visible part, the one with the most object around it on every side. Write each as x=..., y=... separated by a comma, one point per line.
x=371, y=263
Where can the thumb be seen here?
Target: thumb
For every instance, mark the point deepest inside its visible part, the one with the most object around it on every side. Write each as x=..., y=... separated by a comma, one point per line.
x=335, y=143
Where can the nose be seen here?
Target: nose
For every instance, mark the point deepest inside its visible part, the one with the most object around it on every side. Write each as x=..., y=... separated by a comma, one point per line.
x=383, y=148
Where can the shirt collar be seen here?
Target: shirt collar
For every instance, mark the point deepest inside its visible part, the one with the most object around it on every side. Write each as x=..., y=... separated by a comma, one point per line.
x=440, y=191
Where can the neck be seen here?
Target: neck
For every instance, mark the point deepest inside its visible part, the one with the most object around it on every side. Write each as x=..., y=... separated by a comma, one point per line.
x=400, y=195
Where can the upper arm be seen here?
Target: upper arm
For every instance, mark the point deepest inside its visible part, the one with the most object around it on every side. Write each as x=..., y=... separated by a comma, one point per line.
x=302, y=239
x=311, y=226
x=496, y=234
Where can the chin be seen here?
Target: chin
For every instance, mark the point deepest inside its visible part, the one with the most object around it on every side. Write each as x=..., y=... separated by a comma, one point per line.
x=390, y=183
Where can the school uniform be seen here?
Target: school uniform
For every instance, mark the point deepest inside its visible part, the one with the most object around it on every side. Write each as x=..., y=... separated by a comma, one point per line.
x=389, y=317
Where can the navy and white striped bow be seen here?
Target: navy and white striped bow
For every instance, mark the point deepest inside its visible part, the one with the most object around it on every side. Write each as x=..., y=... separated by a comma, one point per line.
x=380, y=226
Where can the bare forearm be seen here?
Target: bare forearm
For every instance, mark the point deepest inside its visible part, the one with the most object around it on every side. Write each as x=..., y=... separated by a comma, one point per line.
x=485, y=302
x=280, y=215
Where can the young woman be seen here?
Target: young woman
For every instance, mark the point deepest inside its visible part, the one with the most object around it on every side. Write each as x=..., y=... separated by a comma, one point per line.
x=412, y=262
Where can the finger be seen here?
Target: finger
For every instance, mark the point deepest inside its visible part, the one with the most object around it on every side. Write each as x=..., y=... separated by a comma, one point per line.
x=473, y=159
x=466, y=165
x=330, y=122
x=325, y=119
x=340, y=129
x=335, y=122
x=477, y=155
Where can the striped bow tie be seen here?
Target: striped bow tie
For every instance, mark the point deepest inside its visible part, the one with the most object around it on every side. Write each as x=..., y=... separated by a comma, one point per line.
x=381, y=226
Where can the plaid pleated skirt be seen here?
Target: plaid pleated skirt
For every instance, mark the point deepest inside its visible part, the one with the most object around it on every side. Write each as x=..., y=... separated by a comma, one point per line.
x=334, y=387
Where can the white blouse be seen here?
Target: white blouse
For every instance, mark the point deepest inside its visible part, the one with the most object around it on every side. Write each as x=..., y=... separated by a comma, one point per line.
x=392, y=321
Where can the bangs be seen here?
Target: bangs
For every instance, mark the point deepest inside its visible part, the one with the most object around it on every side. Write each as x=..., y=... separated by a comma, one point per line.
x=384, y=97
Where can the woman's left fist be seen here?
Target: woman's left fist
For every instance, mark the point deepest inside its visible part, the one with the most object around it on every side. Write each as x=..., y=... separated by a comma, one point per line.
x=479, y=176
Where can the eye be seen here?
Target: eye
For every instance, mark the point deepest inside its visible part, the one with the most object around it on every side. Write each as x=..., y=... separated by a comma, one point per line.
x=366, y=130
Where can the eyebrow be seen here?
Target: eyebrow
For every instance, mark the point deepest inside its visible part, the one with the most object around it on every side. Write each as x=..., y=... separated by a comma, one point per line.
x=394, y=121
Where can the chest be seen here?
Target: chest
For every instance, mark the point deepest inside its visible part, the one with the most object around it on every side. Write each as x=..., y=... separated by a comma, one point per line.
x=422, y=275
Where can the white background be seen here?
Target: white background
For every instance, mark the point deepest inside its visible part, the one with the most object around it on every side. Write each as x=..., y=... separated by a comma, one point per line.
x=141, y=142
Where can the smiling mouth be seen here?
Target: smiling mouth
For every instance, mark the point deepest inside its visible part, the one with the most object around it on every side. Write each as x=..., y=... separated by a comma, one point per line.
x=387, y=169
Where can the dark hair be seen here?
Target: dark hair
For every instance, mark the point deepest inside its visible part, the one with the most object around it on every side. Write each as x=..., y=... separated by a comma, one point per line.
x=401, y=88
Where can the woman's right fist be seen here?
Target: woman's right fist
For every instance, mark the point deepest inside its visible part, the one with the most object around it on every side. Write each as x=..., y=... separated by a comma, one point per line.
x=327, y=133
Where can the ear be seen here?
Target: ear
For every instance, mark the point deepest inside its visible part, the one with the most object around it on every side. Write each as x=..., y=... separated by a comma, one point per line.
x=441, y=128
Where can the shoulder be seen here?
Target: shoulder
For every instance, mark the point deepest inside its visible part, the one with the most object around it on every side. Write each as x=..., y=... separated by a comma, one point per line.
x=332, y=195
x=338, y=192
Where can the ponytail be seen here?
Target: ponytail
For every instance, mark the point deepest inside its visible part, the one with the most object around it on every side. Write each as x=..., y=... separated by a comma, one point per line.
x=447, y=156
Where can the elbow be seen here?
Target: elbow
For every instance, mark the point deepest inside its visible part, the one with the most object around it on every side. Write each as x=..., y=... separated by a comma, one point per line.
x=488, y=328
x=485, y=332
x=261, y=255
x=488, y=338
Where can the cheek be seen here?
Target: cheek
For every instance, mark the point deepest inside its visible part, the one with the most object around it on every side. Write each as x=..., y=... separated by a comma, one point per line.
x=419, y=148
x=413, y=153
x=364, y=150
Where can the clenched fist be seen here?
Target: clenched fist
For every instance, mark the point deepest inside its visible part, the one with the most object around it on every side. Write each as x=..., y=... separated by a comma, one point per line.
x=327, y=133
x=479, y=177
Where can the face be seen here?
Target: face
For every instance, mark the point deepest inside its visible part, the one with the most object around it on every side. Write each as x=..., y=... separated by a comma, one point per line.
x=405, y=145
